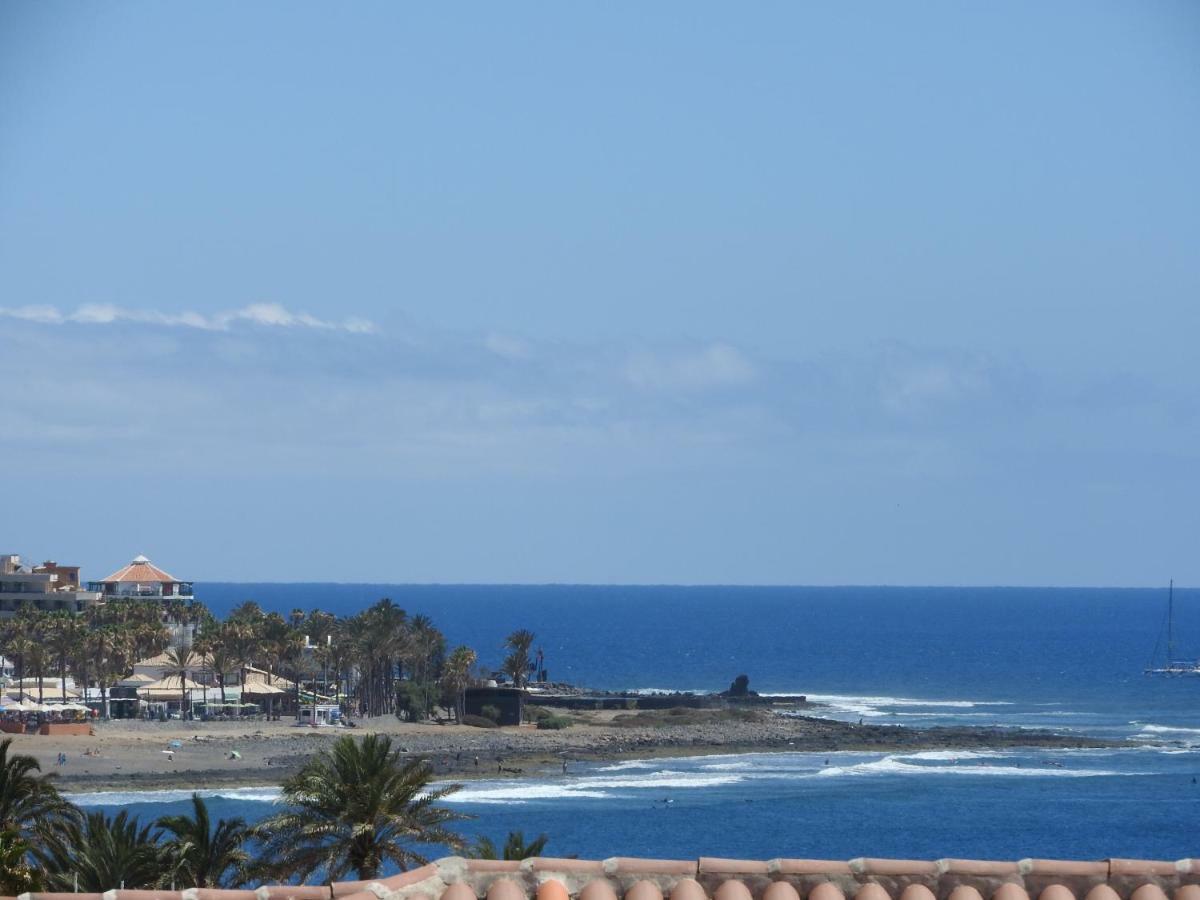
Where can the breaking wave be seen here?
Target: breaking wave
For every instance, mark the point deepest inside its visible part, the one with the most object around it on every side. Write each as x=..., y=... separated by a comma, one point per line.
x=1167, y=729
x=895, y=765
x=597, y=788
x=124, y=798
x=879, y=706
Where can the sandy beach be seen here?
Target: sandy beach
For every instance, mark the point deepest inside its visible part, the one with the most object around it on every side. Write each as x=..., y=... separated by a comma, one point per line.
x=130, y=754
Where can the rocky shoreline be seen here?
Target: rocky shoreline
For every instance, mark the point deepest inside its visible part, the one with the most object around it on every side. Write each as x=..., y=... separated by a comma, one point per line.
x=134, y=758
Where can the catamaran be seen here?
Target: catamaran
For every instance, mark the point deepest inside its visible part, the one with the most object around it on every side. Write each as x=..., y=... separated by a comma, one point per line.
x=1173, y=665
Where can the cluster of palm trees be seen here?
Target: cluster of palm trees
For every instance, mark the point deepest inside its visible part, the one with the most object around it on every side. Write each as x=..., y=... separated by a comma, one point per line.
x=354, y=809
x=380, y=661
x=98, y=647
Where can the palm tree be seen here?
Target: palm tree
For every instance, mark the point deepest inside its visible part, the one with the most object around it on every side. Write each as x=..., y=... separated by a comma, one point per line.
x=32, y=625
x=221, y=659
x=206, y=856
x=456, y=676
x=17, y=875
x=516, y=663
x=179, y=663
x=63, y=635
x=280, y=643
x=110, y=651
x=29, y=802
x=354, y=807
x=98, y=852
x=514, y=847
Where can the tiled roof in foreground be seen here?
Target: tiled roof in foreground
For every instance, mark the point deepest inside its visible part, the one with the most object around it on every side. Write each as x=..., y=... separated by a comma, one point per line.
x=622, y=878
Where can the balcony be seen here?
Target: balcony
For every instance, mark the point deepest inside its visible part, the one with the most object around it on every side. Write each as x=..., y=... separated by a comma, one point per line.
x=143, y=591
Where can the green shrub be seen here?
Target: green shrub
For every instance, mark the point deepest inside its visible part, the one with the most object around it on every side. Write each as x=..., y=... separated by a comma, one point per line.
x=479, y=722
x=490, y=712
x=554, y=723
x=537, y=713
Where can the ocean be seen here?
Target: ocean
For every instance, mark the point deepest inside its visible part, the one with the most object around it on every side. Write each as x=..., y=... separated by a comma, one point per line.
x=1066, y=659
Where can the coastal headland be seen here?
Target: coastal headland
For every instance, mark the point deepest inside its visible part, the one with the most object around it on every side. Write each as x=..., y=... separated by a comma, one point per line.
x=133, y=755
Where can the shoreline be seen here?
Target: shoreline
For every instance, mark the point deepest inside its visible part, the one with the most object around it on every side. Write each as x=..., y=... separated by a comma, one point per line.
x=132, y=754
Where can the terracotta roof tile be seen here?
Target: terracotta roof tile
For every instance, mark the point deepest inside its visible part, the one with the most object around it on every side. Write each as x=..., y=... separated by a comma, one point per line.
x=871, y=891
x=978, y=867
x=598, y=889
x=781, y=890
x=385, y=886
x=688, y=889
x=573, y=866
x=294, y=892
x=644, y=890
x=714, y=878
x=141, y=571
x=624, y=865
x=1010, y=891
x=710, y=865
x=1064, y=868
x=1140, y=867
x=822, y=867
x=459, y=891
x=826, y=890
x=484, y=866
x=893, y=867
x=732, y=890
x=505, y=889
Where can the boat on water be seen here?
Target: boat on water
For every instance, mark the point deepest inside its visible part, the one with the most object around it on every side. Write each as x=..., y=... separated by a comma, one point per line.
x=1173, y=665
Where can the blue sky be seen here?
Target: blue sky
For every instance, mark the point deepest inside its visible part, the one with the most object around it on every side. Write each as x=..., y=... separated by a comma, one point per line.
x=678, y=292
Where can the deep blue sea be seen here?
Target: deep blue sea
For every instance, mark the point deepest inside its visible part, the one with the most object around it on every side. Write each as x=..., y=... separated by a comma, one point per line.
x=1067, y=659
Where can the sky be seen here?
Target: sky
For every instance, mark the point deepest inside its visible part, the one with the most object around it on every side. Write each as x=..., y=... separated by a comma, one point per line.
x=684, y=292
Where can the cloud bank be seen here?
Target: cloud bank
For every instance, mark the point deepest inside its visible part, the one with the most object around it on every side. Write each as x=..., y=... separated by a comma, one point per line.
x=269, y=314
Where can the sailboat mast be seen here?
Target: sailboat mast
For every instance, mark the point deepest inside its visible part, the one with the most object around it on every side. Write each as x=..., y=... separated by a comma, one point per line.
x=1170, y=622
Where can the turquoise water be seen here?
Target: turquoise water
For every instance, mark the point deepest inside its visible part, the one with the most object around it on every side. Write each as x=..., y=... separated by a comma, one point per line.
x=1064, y=659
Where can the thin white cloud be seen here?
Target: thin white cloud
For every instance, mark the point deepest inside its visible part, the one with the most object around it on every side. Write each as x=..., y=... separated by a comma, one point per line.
x=273, y=315
x=506, y=346
x=715, y=366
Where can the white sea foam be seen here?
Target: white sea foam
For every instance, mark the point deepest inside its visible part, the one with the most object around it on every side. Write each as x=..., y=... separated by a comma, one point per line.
x=1166, y=729
x=523, y=793
x=874, y=706
x=632, y=764
x=952, y=755
x=665, y=778
x=124, y=798
x=597, y=788
x=893, y=765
